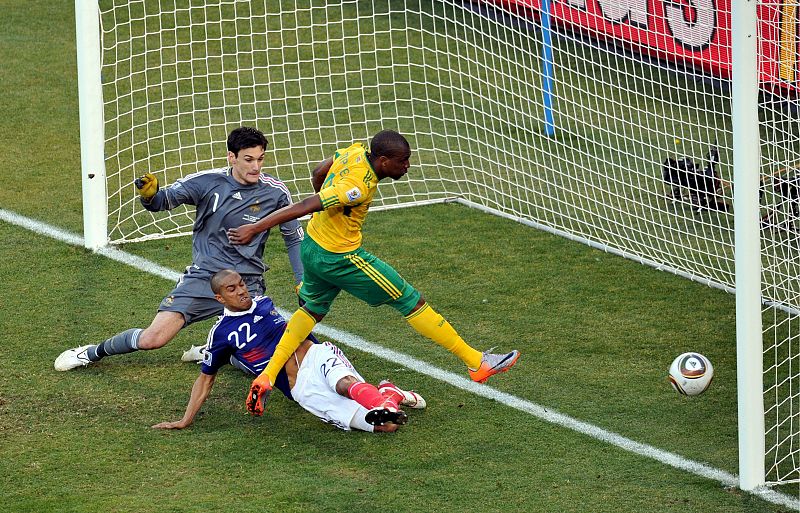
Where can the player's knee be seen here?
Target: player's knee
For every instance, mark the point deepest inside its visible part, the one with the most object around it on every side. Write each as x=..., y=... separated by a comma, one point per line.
x=344, y=384
x=152, y=339
x=163, y=329
x=317, y=317
x=419, y=304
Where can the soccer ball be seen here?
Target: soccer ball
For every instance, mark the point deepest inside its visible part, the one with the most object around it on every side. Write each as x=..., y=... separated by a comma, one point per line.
x=691, y=373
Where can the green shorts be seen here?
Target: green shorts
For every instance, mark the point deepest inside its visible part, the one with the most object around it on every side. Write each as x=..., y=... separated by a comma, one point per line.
x=358, y=272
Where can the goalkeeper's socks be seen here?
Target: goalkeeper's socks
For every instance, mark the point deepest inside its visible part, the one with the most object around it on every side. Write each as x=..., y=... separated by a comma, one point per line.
x=368, y=396
x=430, y=324
x=121, y=343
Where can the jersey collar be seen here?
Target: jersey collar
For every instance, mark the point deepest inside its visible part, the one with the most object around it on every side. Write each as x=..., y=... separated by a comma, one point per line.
x=244, y=312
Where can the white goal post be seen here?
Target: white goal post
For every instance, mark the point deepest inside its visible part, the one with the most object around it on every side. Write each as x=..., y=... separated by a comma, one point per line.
x=575, y=118
x=746, y=157
x=90, y=93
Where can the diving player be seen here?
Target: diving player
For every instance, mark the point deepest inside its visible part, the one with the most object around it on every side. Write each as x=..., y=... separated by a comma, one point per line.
x=225, y=198
x=334, y=260
x=317, y=375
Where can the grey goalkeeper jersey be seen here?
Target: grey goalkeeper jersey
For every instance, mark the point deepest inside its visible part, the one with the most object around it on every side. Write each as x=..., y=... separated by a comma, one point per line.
x=224, y=203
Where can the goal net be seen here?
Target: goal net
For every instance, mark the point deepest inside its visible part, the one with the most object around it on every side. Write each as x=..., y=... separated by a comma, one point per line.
x=638, y=113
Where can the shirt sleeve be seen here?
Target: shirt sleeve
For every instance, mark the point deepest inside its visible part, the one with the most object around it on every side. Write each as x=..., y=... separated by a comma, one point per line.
x=346, y=192
x=186, y=191
x=292, y=233
x=217, y=353
x=292, y=236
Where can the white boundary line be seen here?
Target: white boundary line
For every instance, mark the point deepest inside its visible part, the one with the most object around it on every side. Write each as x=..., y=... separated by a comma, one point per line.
x=674, y=460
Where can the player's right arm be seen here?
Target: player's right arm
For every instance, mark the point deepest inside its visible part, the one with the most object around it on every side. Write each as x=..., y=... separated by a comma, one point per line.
x=217, y=354
x=188, y=190
x=347, y=191
x=200, y=391
x=246, y=232
x=153, y=197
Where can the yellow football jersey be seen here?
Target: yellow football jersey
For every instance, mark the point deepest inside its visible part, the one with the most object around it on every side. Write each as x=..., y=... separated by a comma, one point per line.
x=346, y=194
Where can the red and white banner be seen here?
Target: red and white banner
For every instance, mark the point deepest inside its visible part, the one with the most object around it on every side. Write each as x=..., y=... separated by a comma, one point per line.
x=696, y=33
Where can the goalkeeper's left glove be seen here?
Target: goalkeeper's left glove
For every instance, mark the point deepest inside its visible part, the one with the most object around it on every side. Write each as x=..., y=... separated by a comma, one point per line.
x=147, y=186
x=297, y=292
x=258, y=395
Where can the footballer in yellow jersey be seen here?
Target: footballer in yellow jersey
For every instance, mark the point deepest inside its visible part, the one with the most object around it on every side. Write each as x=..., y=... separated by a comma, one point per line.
x=334, y=260
x=346, y=194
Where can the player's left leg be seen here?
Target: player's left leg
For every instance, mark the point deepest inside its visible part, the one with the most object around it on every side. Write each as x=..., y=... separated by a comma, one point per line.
x=429, y=323
x=323, y=384
x=481, y=366
x=382, y=409
x=423, y=318
x=345, y=380
x=377, y=283
x=317, y=295
x=162, y=329
x=407, y=398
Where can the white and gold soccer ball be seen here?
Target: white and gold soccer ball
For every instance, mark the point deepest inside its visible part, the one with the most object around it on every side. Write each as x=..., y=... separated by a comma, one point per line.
x=691, y=373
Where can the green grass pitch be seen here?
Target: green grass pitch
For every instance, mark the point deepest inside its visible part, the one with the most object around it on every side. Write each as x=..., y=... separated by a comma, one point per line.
x=597, y=335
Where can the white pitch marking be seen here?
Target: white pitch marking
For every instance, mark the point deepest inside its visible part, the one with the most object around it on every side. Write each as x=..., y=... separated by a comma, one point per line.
x=458, y=381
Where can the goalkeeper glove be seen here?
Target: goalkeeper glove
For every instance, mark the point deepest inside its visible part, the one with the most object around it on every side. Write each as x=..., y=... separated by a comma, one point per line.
x=258, y=395
x=147, y=186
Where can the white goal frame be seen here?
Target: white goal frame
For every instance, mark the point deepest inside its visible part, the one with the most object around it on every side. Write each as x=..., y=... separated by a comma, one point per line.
x=746, y=169
x=90, y=97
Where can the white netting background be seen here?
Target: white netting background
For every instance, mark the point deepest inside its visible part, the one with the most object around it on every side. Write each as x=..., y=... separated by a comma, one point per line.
x=464, y=83
x=780, y=242
x=465, y=87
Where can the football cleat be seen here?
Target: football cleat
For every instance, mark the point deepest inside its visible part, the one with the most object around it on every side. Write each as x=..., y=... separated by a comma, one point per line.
x=385, y=414
x=193, y=354
x=71, y=358
x=492, y=364
x=404, y=397
x=257, y=396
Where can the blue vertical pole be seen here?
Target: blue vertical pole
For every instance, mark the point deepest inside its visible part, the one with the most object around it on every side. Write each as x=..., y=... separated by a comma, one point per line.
x=547, y=69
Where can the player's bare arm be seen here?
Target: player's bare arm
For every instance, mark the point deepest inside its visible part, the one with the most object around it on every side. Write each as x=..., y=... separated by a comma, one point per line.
x=319, y=173
x=200, y=391
x=245, y=233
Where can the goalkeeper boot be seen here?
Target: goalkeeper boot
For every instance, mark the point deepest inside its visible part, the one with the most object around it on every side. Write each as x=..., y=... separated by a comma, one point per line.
x=72, y=358
x=492, y=364
x=388, y=412
x=403, y=397
x=193, y=354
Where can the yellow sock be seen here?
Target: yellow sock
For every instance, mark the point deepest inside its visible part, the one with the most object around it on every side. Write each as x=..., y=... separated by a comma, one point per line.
x=297, y=330
x=430, y=324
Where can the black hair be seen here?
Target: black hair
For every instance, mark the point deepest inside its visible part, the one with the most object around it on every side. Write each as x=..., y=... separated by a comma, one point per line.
x=216, y=279
x=388, y=143
x=245, y=137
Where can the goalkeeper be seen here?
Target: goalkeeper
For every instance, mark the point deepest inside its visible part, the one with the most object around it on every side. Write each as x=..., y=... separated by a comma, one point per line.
x=318, y=376
x=224, y=198
x=334, y=260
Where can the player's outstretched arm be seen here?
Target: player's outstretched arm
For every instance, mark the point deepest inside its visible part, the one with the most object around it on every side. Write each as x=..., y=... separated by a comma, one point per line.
x=152, y=196
x=246, y=232
x=200, y=390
